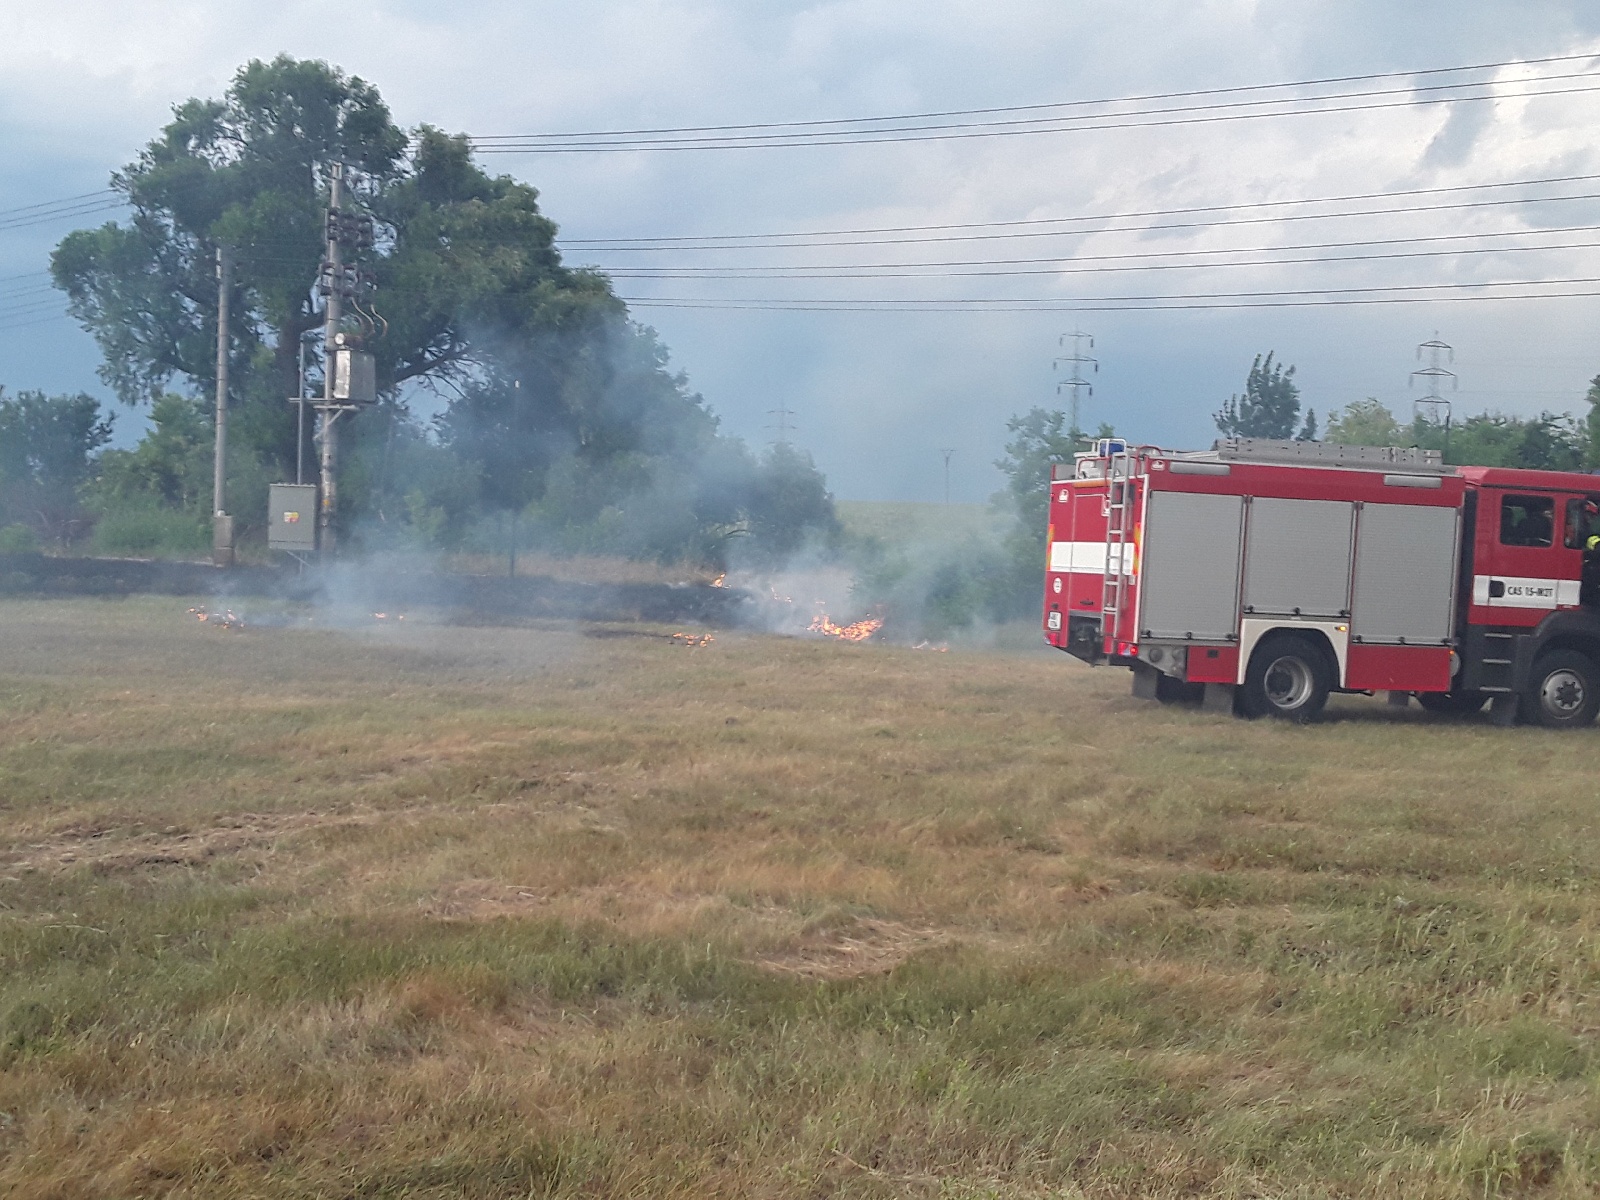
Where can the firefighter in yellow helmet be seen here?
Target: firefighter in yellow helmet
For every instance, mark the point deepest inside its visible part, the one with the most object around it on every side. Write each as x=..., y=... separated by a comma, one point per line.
x=1589, y=587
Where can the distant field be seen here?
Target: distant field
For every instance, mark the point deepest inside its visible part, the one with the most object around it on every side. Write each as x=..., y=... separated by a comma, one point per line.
x=899, y=522
x=418, y=911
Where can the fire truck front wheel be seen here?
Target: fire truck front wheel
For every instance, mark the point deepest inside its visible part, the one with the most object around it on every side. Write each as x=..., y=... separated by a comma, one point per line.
x=1289, y=678
x=1563, y=690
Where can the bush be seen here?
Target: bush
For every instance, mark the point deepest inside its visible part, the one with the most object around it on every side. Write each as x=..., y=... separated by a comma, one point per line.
x=18, y=539
x=151, y=533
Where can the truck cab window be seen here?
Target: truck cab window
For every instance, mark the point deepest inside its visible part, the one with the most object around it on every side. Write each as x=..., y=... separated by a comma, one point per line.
x=1527, y=521
x=1583, y=523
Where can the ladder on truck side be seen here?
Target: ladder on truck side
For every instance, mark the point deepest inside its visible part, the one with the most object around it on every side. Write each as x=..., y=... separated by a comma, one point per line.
x=1122, y=479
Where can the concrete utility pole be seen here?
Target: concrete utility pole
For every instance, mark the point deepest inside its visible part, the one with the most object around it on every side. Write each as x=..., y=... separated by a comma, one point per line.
x=349, y=377
x=221, y=522
x=334, y=313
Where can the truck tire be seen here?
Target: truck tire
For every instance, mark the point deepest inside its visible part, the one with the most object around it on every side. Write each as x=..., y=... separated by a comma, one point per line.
x=1563, y=690
x=1289, y=678
x=1452, y=704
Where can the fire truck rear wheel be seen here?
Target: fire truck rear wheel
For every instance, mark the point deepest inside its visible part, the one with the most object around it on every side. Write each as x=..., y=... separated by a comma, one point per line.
x=1563, y=690
x=1289, y=678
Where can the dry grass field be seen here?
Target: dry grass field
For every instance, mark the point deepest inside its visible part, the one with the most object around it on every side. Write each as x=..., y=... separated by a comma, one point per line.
x=427, y=911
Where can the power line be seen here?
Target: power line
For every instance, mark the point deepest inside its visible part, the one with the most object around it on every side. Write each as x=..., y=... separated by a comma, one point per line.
x=1148, y=98
x=807, y=273
x=66, y=212
x=976, y=112
x=98, y=193
x=1167, y=225
x=1416, y=239
x=1388, y=194
x=1252, y=299
x=924, y=269
x=1189, y=115
x=1078, y=307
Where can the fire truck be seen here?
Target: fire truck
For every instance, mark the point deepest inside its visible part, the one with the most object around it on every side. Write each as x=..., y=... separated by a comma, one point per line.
x=1260, y=576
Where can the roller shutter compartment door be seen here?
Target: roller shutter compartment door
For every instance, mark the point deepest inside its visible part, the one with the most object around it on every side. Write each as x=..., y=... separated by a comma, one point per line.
x=1189, y=566
x=1297, y=557
x=1405, y=574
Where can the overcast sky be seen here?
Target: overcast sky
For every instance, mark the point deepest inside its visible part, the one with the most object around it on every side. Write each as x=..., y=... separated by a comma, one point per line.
x=876, y=395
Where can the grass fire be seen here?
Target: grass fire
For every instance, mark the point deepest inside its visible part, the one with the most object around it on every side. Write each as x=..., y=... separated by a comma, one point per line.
x=856, y=631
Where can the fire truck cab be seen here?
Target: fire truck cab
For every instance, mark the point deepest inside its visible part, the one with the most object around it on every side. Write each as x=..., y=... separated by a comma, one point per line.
x=1261, y=576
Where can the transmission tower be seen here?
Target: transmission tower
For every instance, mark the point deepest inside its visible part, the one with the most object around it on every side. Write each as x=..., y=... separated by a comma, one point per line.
x=781, y=425
x=1075, y=383
x=1434, y=408
x=947, y=454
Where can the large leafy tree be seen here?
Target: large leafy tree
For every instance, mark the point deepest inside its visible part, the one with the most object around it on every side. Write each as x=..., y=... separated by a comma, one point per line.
x=466, y=264
x=1269, y=407
x=249, y=171
x=1364, y=423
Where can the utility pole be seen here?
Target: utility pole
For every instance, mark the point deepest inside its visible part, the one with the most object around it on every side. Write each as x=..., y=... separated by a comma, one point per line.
x=332, y=314
x=1076, y=383
x=1434, y=408
x=947, y=454
x=221, y=522
x=347, y=370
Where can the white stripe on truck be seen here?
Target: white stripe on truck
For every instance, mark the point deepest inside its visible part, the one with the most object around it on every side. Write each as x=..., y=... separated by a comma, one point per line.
x=1521, y=592
x=1083, y=558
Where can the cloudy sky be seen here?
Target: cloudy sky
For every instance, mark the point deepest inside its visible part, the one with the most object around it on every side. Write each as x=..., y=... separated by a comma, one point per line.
x=876, y=393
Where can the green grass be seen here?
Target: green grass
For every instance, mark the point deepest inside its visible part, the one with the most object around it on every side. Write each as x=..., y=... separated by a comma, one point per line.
x=430, y=911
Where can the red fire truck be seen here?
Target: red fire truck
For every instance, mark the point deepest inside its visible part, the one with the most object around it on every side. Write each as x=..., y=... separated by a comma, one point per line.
x=1260, y=576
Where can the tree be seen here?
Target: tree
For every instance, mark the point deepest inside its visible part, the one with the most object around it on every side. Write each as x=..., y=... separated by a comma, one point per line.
x=788, y=501
x=465, y=263
x=1591, y=425
x=1548, y=442
x=170, y=467
x=47, y=451
x=1270, y=406
x=1364, y=423
x=249, y=171
x=1039, y=439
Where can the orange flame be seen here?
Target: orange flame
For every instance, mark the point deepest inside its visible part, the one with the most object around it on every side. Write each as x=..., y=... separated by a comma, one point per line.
x=718, y=581
x=859, y=631
x=692, y=639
